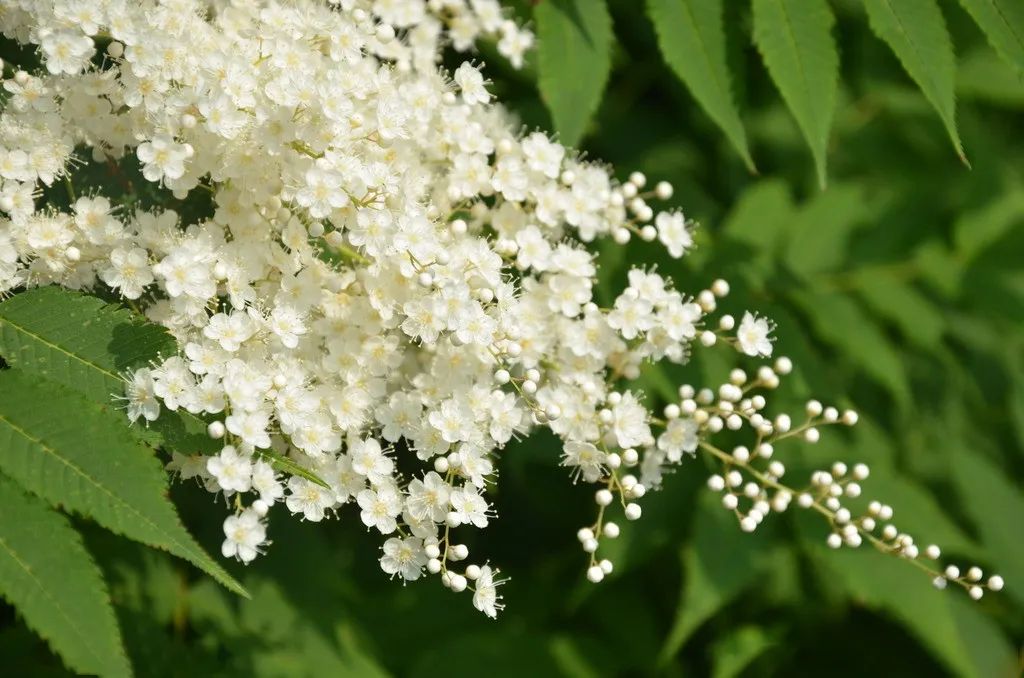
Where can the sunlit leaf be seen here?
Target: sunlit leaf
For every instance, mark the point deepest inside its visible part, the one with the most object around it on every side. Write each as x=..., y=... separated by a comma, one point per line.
x=917, y=33
x=79, y=455
x=795, y=40
x=574, y=59
x=1003, y=24
x=692, y=42
x=49, y=577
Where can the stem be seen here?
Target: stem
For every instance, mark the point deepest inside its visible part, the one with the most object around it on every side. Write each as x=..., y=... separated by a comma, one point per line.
x=767, y=481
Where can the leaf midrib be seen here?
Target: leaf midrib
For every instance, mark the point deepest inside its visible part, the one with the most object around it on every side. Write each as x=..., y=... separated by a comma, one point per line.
x=99, y=368
x=917, y=53
x=1009, y=25
x=796, y=54
x=100, y=486
x=722, y=90
x=56, y=603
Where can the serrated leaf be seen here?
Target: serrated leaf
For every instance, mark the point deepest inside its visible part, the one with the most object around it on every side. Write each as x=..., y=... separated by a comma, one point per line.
x=989, y=497
x=916, y=33
x=1002, y=21
x=86, y=344
x=286, y=465
x=49, y=577
x=795, y=41
x=692, y=41
x=720, y=562
x=573, y=59
x=79, y=455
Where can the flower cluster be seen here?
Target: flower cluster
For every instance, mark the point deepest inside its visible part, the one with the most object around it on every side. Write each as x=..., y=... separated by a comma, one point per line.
x=392, y=281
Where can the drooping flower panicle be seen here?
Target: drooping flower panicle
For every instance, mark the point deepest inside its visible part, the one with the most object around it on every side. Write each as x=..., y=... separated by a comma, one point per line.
x=390, y=268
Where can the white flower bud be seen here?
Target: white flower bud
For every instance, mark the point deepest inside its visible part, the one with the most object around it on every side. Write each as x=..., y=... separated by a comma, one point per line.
x=215, y=429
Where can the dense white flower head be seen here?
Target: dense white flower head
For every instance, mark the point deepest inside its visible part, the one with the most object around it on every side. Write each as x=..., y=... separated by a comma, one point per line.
x=389, y=269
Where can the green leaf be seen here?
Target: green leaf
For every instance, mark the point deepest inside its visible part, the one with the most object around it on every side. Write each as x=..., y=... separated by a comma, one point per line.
x=49, y=577
x=1002, y=21
x=820, y=231
x=841, y=322
x=981, y=75
x=900, y=591
x=990, y=498
x=917, y=34
x=761, y=215
x=281, y=637
x=718, y=564
x=977, y=230
x=795, y=40
x=574, y=60
x=86, y=344
x=80, y=455
x=918, y=319
x=736, y=651
x=287, y=465
x=692, y=41
x=990, y=653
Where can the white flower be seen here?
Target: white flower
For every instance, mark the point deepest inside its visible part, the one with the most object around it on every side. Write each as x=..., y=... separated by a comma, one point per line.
x=629, y=422
x=251, y=427
x=405, y=557
x=264, y=481
x=129, y=272
x=244, y=534
x=485, y=593
x=471, y=82
x=380, y=507
x=368, y=459
x=469, y=507
x=230, y=330
x=389, y=264
x=142, y=400
x=308, y=498
x=286, y=323
x=632, y=314
x=429, y=497
x=543, y=155
x=233, y=471
x=752, y=335
x=588, y=460
x=163, y=158
x=673, y=233
x=66, y=51
x=680, y=436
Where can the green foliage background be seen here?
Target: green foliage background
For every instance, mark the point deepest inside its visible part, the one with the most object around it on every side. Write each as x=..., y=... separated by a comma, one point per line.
x=898, y=289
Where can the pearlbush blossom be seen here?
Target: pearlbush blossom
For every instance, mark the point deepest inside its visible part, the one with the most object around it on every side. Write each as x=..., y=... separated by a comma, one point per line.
x=392, y=274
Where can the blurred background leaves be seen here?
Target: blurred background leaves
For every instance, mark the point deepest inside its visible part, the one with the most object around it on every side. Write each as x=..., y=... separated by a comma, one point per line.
x=898, y=289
